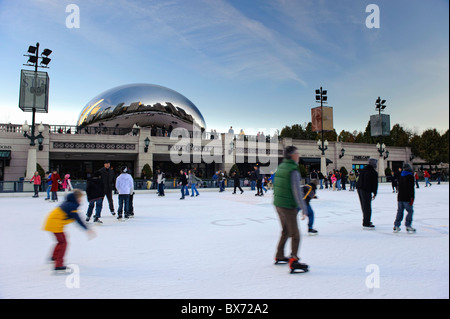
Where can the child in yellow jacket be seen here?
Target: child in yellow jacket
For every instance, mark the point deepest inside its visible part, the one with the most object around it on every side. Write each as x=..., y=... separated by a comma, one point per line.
x=60, y=217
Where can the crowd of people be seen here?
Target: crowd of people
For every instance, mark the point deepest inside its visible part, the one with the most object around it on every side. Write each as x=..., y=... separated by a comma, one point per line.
x=289, y=198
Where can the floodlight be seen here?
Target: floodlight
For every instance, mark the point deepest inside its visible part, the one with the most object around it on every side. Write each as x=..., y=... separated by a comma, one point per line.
x=47, y=52
x=324, y=98
x=317, y=91
x=32, y=59
x=317, y=97
x=32, y=49
x=45, y=61
x=324, y=92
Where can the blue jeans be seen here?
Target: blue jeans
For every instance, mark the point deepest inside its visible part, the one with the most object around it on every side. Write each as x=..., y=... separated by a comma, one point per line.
x=427, y=181
x=401, y=207
x=310, y=214
x=194, y=188
x=321, y=183
x=98, y=203
x=124, y=202
x=49, y=187
x=252, y=185
x=183, y=187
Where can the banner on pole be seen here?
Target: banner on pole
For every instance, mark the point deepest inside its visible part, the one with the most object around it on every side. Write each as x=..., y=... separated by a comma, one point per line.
x=34, y=91
x=316, y=118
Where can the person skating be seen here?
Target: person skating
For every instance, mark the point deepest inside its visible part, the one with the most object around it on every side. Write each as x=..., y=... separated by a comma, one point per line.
x=405, y=199
x=367, y=186
x=288, y=198
x=125, y=187
x=66, y=184
x=37, y=183
x=161, y=179
x=309, y=191
x=352, y=180
x=49, y=184
x=108, y=182
x=182, y=181
x=57, y=219
x=56, y=179
x=192, y=180
x=258, y=176
x=237, y=182
x=95, y=194
x=427, y=177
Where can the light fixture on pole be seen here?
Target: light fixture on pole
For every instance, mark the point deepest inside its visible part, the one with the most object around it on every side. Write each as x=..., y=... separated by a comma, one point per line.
x=322, y=145
x=321, y=96
x=342, y=153
x=382, y=149
x=147, y=143
x=34, y=91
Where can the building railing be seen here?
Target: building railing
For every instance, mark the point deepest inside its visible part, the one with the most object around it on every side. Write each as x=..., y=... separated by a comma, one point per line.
x=154, y=131
x=142, y=184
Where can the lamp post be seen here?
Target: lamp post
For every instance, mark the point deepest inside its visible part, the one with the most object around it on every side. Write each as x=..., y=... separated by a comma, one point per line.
x=321, y=96
x=35, y=84
x=381, y=148
x=147, y=143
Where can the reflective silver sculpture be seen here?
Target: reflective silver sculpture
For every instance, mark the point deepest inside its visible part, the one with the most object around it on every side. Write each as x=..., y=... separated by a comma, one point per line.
x=142, y=104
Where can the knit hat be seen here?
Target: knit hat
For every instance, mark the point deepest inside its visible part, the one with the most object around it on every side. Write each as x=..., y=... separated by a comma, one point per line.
x=373, y=162
x=407, y=167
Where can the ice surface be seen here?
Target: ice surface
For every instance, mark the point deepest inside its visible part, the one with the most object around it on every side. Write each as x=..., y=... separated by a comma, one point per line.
x=220, y=245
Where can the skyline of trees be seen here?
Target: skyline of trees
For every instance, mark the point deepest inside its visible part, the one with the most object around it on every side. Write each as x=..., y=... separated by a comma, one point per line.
x=430, y=145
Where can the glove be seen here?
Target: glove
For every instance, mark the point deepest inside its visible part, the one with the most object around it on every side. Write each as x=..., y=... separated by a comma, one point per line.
x=411, y=202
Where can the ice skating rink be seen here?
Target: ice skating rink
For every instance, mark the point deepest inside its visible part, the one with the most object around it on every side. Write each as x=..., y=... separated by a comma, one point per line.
x=220, y=245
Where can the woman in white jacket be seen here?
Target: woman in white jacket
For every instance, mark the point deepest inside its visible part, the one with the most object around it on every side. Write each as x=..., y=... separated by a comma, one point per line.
x=124, y=186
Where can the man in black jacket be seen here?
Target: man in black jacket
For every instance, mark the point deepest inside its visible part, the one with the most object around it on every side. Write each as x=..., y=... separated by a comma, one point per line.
x=95, y=194
x=108, y=179
x=183, y=182
x=368, y=185
x=405, y=199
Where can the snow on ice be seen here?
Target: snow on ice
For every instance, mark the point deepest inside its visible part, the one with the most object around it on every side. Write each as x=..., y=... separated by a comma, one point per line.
x=220, y=245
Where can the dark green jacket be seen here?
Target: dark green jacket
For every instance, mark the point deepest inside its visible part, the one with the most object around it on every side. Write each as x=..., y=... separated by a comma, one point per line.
x=284, y=194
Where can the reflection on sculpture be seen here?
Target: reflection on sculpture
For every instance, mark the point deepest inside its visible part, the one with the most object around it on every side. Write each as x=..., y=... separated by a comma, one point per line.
x=143, y=105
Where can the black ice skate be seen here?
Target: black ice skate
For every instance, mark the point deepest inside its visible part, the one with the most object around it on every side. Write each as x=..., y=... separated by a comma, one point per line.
x=312, y=232
x=410, y=230
x=294, y=265
x=62, y=270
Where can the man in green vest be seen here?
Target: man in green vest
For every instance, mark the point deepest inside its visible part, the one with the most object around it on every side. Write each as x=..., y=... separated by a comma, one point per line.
x=288, y=200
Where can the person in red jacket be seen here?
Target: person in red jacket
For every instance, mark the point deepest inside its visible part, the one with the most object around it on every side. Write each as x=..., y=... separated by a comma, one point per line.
x=56, y=180
x=37, y=183
x=416, y=178
x=427, y=176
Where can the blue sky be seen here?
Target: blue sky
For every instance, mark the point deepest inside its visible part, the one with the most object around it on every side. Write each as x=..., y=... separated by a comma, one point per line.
x=252, y=64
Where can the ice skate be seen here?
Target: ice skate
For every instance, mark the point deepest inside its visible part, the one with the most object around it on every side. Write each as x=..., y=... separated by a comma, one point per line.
x=312, y=232
x=294, y=265
x=410, y=230
x=281, y=261
x=97, y=220
x=396, y=229
x=369, y=227
x=62, y=270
